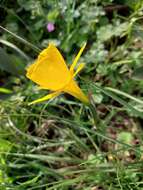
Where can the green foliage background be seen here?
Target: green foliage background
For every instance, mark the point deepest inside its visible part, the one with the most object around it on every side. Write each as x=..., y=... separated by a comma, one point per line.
x=55, y=145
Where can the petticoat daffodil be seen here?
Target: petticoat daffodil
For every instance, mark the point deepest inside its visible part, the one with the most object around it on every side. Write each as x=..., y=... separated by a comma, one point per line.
x=51, y=72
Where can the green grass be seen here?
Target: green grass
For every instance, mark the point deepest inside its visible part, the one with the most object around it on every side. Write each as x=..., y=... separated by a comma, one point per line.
x=62, y=144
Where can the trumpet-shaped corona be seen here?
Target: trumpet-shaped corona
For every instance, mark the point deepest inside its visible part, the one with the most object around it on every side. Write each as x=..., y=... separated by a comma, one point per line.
x=51, y=72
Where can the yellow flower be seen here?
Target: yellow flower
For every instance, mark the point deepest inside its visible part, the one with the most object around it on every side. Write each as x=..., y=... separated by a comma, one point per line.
x=51, y=72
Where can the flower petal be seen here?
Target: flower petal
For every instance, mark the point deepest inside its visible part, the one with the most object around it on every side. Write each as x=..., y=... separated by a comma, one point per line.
x=77, y=58
x=50, y=70
x=47, y=97
x=73, y=89
x=80, y=67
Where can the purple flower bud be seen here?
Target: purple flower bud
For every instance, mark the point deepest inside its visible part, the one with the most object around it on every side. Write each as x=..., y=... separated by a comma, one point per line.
x=50, y=27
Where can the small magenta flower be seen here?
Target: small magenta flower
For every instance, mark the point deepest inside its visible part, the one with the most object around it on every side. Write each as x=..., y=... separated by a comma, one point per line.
x=50, y=27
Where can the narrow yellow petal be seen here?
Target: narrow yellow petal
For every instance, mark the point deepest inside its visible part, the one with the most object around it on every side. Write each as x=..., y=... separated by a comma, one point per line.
x=73, y=89
x=80, y=67
x=77, y=58
x=47, y=97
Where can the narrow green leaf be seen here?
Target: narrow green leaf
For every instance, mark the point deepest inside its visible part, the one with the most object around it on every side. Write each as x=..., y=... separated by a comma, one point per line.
x=15, y=48
x=5, y=91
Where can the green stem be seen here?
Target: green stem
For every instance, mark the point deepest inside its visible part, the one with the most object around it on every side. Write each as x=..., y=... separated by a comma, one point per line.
x=94, y=114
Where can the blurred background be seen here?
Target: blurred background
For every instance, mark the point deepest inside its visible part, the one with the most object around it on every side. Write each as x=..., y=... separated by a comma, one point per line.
x=55, y=145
